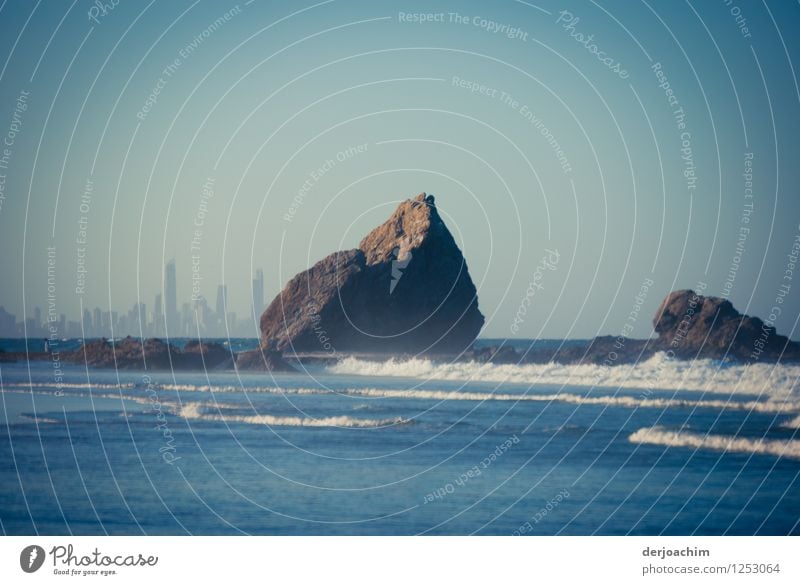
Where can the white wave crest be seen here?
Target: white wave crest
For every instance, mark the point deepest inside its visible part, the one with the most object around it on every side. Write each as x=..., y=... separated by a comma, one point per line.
x=770, y=406
x=792, y=424
x=661, y=436
x=659, y=372
x=229, y=388
x=42, y=420
x=198, y=411
x=78, y=386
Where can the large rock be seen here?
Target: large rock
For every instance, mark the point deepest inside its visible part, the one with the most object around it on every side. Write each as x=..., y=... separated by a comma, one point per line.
x=405, y=289
x=691, y=325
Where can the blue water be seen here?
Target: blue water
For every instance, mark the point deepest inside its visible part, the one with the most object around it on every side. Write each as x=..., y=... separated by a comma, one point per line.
x=38, y=344
x=104, y=460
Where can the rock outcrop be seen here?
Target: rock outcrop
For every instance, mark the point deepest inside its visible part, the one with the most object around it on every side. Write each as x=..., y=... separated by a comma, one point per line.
x=691, y=325
x=262, y=360
x=405, y=289
x=151, y=354
x=688, y=325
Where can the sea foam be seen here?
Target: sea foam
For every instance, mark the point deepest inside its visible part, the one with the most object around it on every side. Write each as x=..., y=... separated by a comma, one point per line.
x=658, y=372
x=660, y=436
x=205, y=412
x=768, y=406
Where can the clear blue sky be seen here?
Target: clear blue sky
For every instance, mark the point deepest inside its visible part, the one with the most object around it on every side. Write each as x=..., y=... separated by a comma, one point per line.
x=258, y=101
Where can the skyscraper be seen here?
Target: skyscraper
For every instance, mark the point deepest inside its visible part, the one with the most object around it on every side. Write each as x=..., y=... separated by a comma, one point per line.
x=258, y=295
x=88, y=329
x=97, y=323
x=171, y=299
x=158, y=317
x=222, y=304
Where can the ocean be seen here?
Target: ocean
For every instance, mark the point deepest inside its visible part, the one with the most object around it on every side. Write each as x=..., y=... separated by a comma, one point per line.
x=395, y=447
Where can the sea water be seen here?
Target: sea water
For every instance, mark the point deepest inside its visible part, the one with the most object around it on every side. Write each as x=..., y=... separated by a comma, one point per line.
x=402, y=447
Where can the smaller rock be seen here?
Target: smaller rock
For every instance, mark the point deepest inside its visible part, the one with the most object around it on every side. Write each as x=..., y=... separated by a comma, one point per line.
x=127, y=354
x=152, y=354
x=210, y=355
x=263, y=360
x=690, y=326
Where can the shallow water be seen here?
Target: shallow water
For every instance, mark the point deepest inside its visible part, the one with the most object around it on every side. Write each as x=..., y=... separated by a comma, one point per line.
x=331, y=451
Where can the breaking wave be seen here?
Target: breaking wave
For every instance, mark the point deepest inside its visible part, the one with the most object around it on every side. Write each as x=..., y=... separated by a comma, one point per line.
x=197, y=411
x=659, y=372
x=42, y=420
x=77, y=386
x=661, y=436
x=222, y=389
x=792, y=424
x=770, y=406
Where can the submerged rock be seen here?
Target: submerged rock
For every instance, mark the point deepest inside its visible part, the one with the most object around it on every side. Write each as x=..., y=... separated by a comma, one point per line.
x=132, y=353
x=406, y=288
x=210, y=355
x=262, y=360
x=125, y=354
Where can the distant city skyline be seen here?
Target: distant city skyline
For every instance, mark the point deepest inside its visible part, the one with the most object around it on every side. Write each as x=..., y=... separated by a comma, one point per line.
x=165, y=319
x=255, y=149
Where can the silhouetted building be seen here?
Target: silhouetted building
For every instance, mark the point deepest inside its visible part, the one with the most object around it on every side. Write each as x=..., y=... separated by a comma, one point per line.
x=158, y=318
x=8, y=324
x=258, y=295
x=171, y=300
x=222, y=303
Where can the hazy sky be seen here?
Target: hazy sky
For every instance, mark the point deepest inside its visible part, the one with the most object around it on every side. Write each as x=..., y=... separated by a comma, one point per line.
x=214, y=120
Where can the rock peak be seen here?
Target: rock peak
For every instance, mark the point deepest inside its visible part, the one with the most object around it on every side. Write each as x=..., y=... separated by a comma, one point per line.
x=406, y=288
x=412, y=222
